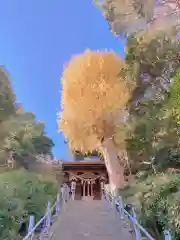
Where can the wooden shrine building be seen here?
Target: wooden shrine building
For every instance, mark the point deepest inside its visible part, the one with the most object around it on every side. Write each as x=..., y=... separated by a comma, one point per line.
x=89, y=178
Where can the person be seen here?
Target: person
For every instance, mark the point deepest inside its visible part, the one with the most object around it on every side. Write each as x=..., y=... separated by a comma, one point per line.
x=23, y=229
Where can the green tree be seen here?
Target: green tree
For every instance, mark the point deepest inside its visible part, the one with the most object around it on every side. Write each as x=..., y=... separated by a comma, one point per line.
x=152, y=58
x=7, y=96
x=22, y=138
x=23, y=193
x=133, y=16
x=152, y=46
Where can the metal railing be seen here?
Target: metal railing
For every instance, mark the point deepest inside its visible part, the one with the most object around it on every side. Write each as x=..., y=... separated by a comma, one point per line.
x=41, y=229
x=139, y=232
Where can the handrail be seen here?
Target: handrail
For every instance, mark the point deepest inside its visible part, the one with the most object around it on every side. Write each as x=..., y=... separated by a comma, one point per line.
x=139, y=226
x=138, y=229
x=35, y=227
x=39, y=223
x=48, y=218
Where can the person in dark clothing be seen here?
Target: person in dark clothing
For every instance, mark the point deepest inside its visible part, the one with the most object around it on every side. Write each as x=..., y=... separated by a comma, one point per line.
x=128, y=208
x=23, y=229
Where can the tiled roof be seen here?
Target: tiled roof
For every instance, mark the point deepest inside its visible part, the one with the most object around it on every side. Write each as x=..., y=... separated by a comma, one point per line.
x=80, y=163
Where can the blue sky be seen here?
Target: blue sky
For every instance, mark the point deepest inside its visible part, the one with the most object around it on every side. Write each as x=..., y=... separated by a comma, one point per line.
x=36, y=38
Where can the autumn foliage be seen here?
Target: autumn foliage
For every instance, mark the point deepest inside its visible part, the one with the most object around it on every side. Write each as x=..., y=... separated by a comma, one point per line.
x=93, y=94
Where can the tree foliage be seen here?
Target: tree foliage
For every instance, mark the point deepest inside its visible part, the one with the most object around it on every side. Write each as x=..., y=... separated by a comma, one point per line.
x=157, y=135
x=156, y=203
x=152, y=47
x=23, y=193
x=93, y=95
x=22, y=138
x=152, y=59
x=131, y=16
x=7, y=96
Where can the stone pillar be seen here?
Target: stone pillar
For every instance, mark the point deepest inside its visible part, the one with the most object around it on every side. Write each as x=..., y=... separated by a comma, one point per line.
x=84, y=186
x=82, y=190
x=92, y=194
x=102, y=189
x=88, y=188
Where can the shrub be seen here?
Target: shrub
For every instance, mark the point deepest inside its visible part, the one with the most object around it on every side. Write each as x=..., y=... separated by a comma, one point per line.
x=22, y=193
x=157, y=203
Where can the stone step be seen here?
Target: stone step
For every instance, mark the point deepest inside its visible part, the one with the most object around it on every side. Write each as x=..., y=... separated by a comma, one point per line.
x=90, y=219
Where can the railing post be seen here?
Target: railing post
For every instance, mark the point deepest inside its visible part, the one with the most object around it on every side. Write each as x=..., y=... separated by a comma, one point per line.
x=73, y=195
x=113, y=202
x=121, y=207
x=167, y=235
x=57, y=204
x=105, y=195
x=136, y=229
x=63, y=194
x=48, y=219
x=31, y=224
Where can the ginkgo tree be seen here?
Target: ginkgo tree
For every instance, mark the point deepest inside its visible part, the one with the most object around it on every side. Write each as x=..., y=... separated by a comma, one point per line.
x=94, y=96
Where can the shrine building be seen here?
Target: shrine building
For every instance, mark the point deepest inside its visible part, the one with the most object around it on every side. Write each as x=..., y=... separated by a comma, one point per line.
x=89, y=178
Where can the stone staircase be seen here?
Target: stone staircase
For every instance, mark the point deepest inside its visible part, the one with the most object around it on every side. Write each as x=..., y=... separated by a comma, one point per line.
x=90, y=219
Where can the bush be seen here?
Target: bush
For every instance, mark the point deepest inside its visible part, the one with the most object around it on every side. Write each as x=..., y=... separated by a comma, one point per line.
x=157, y=203
x=23, y=193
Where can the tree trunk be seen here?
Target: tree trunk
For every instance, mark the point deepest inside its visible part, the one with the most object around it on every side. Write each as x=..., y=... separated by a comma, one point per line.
x=114, y=168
